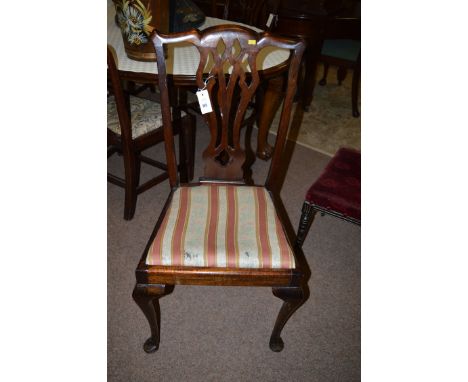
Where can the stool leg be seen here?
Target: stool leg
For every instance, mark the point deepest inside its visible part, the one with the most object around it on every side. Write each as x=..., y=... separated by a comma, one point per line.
x=341, y=74
x=323, y=81
x=307, y=217
x=355, y=87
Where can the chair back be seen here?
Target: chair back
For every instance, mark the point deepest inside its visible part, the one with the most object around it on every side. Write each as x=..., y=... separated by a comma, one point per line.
x=228, y=71
x=251, y=12
x=343, y=28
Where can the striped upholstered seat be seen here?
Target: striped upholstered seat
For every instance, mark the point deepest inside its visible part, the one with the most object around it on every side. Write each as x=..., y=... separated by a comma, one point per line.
x=221, y=226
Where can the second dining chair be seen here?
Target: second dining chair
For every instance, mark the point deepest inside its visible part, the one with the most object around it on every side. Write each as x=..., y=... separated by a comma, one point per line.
x=336, y=192
x=133, y=125
x=223, y=230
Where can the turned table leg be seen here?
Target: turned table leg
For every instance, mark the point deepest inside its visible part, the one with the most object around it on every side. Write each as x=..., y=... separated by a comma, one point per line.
x=310, y=60
x=270, y=105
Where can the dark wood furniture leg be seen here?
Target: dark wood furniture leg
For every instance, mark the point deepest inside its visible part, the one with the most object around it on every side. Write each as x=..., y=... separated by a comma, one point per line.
x=310, y=62
x=310, y=27
x=293, y=298
x=147, y=297
x=355, y=87
x=341, y=74
x=187, y=152
x=183, y=155
x=271, y=101
x=132, y=171
x=307, y=217
x=323, y=81
x=178, y=99
x=188, y=134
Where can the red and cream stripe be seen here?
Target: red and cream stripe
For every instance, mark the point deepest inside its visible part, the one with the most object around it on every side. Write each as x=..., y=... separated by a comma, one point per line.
x=262, y=227
x=212, y=226
x=180, y=229
x=231, y=227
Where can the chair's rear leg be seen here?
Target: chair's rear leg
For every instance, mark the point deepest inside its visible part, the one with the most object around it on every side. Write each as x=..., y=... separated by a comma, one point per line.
x=147, y=297
x=190, y=147
x=187, y=149
x=293, y=298
x=307, y=217
x=183, y=160
x=249, y=155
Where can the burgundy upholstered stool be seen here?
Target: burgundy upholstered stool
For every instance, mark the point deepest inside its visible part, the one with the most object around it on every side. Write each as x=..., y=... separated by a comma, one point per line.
x=336, y=192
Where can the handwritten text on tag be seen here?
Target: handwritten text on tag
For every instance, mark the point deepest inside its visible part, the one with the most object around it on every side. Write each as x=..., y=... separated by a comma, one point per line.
x=204, y=101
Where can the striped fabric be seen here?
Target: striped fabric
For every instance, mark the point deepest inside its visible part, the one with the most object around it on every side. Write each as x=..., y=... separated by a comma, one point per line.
x=221, y=226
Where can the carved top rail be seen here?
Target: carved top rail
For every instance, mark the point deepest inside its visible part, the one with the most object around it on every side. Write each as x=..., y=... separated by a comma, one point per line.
x=228, y=70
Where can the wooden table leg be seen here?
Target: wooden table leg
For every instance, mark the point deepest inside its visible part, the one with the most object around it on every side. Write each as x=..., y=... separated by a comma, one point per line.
x=270, y=104
x=310, y=59
x=311, y=27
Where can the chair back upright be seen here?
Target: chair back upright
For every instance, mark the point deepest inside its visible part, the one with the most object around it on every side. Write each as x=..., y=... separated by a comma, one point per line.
x=121, y=99
x=228, y=70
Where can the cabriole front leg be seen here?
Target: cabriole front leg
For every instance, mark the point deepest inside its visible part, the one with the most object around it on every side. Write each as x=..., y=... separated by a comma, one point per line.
x=293, y=298
x=147, y=297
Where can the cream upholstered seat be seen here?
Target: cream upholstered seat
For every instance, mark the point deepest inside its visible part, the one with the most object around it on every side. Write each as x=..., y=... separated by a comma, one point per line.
x=221, y=226
x=146, y=116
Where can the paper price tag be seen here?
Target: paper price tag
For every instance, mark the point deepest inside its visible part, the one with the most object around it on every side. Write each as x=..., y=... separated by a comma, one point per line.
x=204, y=101
x=271, y=17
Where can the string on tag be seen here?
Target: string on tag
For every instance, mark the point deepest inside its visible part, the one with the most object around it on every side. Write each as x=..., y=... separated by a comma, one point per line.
x=206, y=82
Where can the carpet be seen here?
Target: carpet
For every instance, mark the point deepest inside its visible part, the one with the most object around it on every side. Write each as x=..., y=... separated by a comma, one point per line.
x=329, y=123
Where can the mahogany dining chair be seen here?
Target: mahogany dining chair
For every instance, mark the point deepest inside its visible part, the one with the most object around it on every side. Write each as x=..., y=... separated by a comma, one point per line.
x=223, y=230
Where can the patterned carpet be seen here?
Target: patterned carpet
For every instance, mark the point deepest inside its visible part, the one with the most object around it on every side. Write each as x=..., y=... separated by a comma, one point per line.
x=329, y=123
